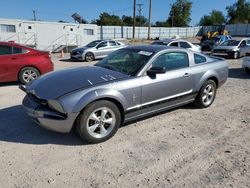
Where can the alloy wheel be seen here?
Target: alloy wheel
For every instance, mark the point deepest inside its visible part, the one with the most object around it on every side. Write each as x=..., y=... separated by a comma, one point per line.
x=29, y=75
x=208, y=94
x=101, y=122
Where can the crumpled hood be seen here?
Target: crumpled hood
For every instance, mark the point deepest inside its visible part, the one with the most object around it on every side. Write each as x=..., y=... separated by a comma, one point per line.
x=58, y=83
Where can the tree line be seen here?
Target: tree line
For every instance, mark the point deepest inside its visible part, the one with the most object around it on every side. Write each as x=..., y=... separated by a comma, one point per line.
x=180, y=16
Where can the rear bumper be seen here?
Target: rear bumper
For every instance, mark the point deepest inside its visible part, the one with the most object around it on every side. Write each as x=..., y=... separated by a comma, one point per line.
x=48, y=118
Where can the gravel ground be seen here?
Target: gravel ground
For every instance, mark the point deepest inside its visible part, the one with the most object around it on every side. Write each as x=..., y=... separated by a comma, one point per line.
x=185, y=147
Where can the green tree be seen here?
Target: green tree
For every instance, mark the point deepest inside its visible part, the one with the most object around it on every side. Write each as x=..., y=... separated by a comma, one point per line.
x=180, y=12
x=107, y=19
x=161, y=24
x=239, y=12
x=214, y=18
x=127, y=20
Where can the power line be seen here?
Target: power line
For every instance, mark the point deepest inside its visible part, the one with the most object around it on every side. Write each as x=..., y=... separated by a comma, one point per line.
x=140, y=8
x=121, y=10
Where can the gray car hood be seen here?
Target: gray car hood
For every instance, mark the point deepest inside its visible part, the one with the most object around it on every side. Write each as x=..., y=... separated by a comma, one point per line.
x=59, y=83
x=225, y=47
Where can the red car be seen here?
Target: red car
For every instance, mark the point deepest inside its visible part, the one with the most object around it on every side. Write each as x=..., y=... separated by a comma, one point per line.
x=21, y=63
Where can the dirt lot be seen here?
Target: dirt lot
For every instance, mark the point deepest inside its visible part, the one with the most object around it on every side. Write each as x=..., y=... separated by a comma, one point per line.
x=185, y=147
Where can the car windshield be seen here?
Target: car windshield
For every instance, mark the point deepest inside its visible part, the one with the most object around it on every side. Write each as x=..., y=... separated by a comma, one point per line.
x=93, y=43
x=128, y=61
x=230, y=43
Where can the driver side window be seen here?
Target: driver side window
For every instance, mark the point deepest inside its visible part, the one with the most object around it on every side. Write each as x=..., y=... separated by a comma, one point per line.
x=103, y=44
x=172, y=61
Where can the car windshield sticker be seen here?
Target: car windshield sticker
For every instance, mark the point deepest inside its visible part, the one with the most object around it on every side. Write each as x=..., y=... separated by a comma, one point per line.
x=145, y=53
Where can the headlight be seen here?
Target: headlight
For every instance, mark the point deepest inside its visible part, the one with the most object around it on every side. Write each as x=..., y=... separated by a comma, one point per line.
x=53, y=104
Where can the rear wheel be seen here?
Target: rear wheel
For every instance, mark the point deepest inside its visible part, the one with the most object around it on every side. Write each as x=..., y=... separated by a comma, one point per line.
x=28, y=74
x=89, y=57
x=99, y=121
x=206, y=94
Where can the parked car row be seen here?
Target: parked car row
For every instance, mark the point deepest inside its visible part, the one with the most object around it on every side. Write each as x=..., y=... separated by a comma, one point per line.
x=24, y=64
x=98, y=99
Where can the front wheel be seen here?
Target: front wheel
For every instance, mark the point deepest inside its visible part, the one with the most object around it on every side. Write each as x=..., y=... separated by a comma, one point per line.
x=28, y=74
x=206, y=94
x=99, y=121
x=89, y=57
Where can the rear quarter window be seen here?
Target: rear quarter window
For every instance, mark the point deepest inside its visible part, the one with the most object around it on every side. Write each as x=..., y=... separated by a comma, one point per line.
x=198, y=59
x=185, y=45
x=17, y=50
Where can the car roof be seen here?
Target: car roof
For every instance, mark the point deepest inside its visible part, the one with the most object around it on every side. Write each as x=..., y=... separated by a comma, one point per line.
x=172, y=40
x=16, y=45
x=150, y=48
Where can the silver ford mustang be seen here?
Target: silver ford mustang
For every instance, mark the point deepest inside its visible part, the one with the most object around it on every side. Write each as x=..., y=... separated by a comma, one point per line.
x=130, y=83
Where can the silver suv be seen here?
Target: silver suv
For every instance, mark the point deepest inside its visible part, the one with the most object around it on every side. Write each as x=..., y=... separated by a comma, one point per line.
x=97, y=49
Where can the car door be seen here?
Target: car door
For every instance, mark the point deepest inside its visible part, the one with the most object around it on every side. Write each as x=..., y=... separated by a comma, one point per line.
x=9, y=63
x=177, y=81
x=101, y=49
x=244, y=47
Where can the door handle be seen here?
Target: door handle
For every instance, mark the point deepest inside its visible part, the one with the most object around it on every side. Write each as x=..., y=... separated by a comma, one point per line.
x=186, y=75
x=13, y=58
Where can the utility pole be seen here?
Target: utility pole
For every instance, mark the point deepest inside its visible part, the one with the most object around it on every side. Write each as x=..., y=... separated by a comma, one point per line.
x=149, y=18
x=134, y=19
x=139, y=11
x=34, y=15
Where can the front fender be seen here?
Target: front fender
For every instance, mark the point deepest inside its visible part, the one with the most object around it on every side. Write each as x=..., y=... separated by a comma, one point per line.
x=77, y=101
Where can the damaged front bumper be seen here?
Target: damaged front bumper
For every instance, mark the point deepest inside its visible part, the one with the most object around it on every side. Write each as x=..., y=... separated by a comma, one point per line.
x=48, y=118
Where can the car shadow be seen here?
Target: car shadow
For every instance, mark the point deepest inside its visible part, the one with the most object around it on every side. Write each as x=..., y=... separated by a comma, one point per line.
x=238, y=73
x=9, y=84
x=17, y=127
x=71, y=61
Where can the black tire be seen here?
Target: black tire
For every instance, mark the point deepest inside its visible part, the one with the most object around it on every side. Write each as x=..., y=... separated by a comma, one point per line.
x=28, y=74
x=247, y=70
x=90, y=129
x=204, y=95
x=235, y=55
x=89, y=57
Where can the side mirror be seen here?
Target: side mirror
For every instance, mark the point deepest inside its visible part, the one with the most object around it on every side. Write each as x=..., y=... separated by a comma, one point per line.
x=156, y=70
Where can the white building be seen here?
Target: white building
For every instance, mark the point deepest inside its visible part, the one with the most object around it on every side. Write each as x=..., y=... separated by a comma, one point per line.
x=50, y=36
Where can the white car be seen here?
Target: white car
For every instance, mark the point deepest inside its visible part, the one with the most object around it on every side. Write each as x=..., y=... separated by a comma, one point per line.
x=246, y=63
x=178, y=43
